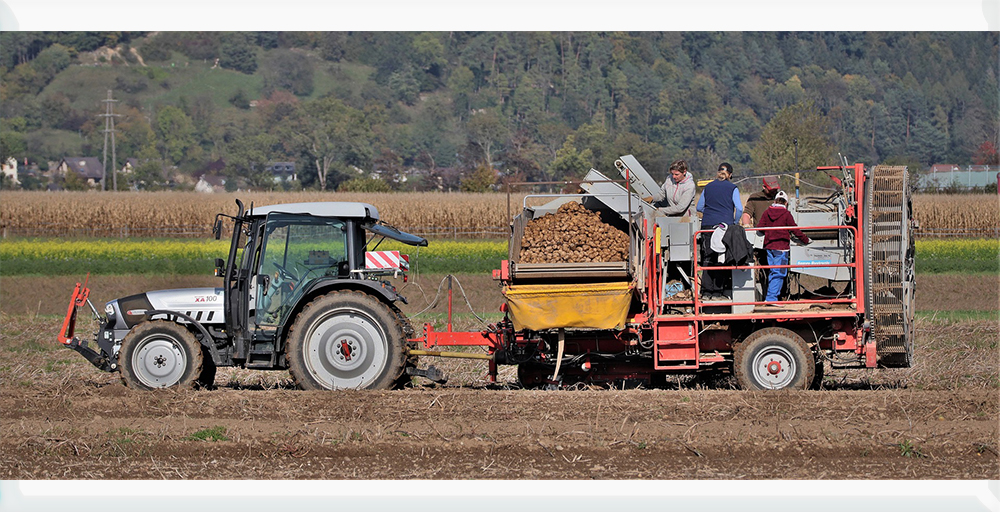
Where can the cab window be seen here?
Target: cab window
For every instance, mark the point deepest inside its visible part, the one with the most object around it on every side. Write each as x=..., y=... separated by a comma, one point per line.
x=297, y=250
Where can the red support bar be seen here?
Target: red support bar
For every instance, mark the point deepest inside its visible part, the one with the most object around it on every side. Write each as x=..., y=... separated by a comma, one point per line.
x=433, y=338
x=859, y=252
x=778, y=315
x=783, y=302
x=449, y=302
x=758, y=267
x=80, y=295
x=871, y=354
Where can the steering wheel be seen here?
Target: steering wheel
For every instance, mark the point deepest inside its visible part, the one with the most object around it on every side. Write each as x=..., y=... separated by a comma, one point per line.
x=285, y=274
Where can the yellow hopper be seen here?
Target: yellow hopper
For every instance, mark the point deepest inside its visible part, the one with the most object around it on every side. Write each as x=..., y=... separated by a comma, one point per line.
x=539, y=307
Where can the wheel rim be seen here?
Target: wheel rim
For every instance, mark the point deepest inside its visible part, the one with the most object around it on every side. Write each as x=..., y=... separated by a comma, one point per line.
x=345, y=349
x=159, y=361
x=773, y=368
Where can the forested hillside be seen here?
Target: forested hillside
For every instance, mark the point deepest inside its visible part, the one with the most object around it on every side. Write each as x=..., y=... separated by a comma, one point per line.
x=439, y=110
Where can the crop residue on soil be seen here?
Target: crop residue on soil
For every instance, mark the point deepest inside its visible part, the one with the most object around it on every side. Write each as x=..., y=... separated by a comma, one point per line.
x=97, y=429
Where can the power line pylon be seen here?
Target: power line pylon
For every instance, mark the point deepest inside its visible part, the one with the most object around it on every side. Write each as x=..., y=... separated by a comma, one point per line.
x=109, y=128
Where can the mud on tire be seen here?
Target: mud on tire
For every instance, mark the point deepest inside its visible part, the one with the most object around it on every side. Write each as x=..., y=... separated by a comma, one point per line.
x=774, y=358
x=346, y=339
x=160, y=354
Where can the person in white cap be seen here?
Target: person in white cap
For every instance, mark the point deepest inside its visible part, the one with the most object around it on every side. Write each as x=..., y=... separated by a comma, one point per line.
x=753, y=210
x=776, y=242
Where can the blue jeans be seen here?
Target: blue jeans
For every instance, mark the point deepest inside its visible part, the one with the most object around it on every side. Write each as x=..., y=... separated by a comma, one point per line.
x=776, y=276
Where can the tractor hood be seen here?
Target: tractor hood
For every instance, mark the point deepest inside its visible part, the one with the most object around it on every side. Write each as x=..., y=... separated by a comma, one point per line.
x=204, y=305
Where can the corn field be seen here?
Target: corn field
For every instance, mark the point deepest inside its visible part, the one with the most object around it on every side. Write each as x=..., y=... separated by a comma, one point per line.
x=969, y=214
x=452, y=215
x=190, y=214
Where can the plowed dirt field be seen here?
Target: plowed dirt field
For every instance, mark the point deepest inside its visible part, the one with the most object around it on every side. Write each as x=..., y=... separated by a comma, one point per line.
x=104, y=431
x=62, y=419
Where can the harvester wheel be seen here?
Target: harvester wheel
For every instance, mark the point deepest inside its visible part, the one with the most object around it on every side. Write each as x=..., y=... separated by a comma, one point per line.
x=160, y=354
x=347, y=340
x=532, y=375
x=774, y=358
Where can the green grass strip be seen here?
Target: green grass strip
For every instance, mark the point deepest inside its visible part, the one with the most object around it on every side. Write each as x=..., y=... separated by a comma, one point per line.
x=952, y=317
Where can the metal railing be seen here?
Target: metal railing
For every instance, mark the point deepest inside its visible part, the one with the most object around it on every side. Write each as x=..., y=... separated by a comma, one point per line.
x=696, y=288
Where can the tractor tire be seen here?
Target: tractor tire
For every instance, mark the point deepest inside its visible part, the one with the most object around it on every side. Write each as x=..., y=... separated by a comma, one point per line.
x=774, y=358
x=346, y=340
x=160, y=354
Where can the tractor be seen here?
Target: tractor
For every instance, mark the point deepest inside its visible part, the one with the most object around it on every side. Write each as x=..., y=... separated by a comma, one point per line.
x=300, y=291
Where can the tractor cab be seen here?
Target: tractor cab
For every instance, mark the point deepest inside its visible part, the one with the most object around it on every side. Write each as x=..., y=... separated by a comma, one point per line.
x=282, y=256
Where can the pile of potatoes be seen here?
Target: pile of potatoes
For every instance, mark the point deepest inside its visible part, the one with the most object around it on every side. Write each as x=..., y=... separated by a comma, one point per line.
x=573, y=234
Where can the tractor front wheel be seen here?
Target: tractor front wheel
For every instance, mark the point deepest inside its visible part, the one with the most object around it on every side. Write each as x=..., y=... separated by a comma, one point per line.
x=160, y=354
x=346, y=340
x=774, y=358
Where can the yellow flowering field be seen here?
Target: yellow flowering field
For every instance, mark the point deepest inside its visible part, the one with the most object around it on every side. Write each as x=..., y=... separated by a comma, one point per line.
x=958, y=255
x=60, y=257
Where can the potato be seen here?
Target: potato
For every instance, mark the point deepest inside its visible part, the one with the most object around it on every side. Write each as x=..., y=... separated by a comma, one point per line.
x=572, y=234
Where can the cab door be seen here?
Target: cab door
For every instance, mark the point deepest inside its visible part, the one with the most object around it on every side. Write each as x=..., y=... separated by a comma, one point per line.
x=297, y=250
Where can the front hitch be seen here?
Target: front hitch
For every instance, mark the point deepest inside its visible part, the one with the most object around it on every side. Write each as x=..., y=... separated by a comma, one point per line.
x=102, y=360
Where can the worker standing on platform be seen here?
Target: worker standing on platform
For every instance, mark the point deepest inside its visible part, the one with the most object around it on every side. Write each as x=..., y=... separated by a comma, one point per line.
x=719, y=204
x=759, y=202
x=776, y=242
x=753, y=210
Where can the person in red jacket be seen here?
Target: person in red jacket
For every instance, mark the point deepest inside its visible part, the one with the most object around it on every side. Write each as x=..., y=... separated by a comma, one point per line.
x=776, y=242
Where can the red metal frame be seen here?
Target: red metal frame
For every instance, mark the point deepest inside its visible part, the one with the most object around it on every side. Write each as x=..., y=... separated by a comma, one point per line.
x=80, y=295
x=855, y=336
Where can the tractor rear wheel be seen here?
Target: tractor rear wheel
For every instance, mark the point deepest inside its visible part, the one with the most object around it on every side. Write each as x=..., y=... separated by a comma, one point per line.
x=160, y=354
x=346, y=340
x=774, y=358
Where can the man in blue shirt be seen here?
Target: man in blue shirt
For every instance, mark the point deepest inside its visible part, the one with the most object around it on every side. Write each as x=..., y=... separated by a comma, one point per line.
x=719, y=203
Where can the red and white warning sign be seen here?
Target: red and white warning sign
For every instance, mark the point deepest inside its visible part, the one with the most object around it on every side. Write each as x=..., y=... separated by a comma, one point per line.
x=387, y=260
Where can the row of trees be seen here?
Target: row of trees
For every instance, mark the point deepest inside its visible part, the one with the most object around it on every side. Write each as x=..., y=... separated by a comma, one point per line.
x=539, y=105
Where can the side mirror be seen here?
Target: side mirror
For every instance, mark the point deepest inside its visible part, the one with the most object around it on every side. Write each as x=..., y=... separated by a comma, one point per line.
x=220, y=267
x=217, y=228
